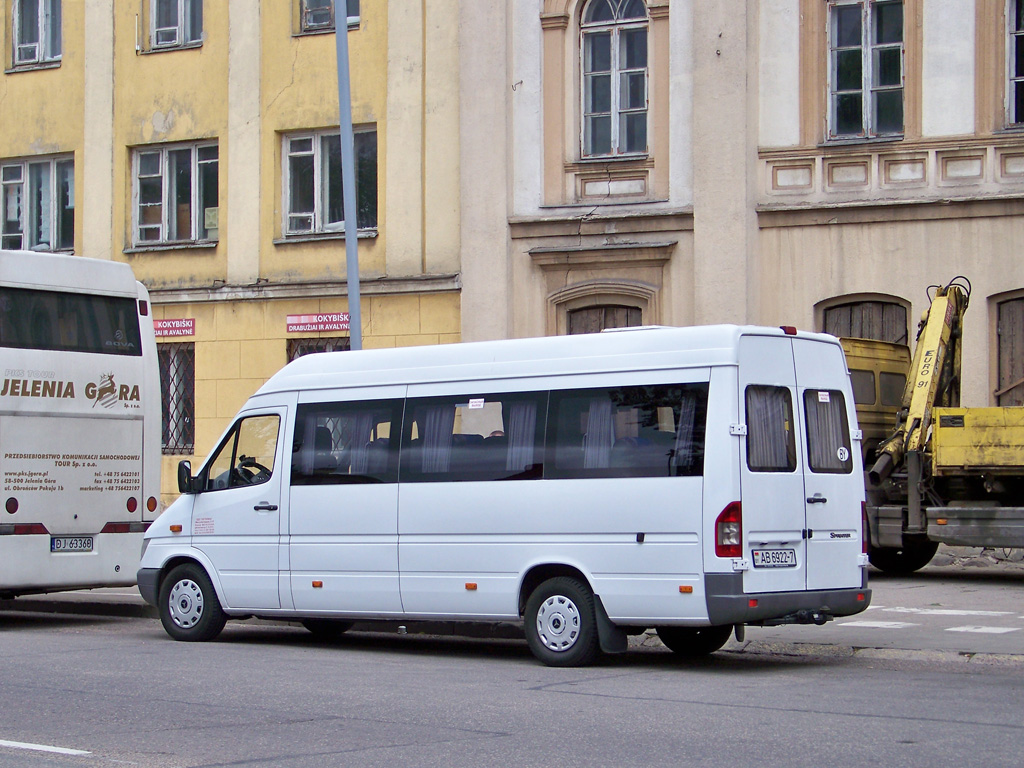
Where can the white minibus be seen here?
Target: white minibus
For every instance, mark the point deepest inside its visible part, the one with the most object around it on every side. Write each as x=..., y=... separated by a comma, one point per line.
x=688, y=479
x=79, y=422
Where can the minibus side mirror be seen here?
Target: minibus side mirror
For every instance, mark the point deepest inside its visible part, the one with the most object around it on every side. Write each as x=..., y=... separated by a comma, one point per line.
x=185, y=483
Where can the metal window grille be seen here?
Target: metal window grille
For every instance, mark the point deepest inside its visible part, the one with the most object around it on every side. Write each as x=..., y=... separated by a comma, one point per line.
x=299, y=347
x=177, y=396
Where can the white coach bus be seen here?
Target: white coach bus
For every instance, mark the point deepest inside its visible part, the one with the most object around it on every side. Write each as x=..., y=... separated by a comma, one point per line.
x=79, y=422
x=688, y=479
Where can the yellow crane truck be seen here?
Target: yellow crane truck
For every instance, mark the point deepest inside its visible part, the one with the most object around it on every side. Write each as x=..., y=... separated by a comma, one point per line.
x=940, y=473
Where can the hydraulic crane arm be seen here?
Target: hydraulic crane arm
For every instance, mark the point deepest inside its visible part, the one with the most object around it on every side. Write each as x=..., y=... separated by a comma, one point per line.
x=934, y=376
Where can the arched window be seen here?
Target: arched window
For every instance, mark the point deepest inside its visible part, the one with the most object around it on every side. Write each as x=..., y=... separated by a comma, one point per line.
x=615, y=77
x=597, y=318
x=880, y=320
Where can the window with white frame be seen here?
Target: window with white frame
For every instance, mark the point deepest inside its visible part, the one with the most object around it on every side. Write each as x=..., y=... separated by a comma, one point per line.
x=866, y=68
x=38, y=204
x=317, y=15
x=37, y=31
x=176, y=23
x=615, y=77
x=1015, y=95
x=313, y=182
x=175, y=194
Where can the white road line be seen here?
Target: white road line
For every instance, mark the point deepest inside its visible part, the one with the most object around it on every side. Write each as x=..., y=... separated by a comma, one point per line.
x=947, y=612
x=984, y=630
x=42, y=748
x=877, y=624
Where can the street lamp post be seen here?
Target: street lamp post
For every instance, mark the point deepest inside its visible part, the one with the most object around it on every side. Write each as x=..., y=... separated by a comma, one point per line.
x=348, y=174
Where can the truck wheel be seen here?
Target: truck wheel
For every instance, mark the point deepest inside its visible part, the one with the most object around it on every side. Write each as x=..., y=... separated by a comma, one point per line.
x=189, y=608
x=327, y=629
x=693, y=642
x=559, y=623
x=912, y=556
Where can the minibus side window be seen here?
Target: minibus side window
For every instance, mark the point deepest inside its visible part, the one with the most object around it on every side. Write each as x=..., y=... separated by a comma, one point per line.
x=474, y=437
x=641, y=431
x=338, y=443
x=771, y=446
x=828, y=433
x=246, y=457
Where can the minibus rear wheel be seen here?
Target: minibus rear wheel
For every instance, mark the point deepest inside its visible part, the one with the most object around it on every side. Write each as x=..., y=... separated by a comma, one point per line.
x=559, y=622
x=189, y=608
x=693, y=642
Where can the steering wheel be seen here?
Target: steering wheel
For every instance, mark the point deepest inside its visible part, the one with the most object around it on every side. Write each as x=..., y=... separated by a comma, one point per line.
x=250, y=472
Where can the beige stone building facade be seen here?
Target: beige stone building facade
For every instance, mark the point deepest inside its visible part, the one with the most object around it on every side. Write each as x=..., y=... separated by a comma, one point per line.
x=525, y=167
x=816, y=163
x=198, y=142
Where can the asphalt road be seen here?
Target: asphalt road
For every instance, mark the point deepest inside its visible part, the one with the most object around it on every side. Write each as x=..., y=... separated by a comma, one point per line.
x=116, y=691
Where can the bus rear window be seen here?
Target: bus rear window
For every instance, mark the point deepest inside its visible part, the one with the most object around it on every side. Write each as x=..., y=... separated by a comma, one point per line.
x=69, y=322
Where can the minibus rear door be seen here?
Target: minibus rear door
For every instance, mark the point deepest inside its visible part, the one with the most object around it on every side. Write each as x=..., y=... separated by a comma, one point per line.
x=771, y=471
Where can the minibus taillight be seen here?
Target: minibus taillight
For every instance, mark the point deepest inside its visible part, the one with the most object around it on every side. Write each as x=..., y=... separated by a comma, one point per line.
x=729, y=532
x=865, y=538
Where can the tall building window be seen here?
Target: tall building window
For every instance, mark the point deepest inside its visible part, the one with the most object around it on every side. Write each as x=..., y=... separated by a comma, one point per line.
x=1015, y=97
x=318, y=15
x=177, y=395
x=176, y=23
x=38, y=204
x=175, y=194
x=866, y=68
x=313, y=182
x=37, y=31
x=615, y=77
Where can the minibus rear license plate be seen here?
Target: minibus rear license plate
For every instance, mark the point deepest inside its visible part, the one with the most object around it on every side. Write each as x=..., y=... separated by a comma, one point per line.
x=71, y=543
x=774, y=558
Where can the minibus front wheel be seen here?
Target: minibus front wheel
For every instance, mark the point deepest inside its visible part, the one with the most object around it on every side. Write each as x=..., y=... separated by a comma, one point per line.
x=189, y=608
x=560, y=625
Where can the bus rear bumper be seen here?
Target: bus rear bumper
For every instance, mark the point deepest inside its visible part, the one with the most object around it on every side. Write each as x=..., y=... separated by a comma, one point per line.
x=149, y=582
x=729, y=604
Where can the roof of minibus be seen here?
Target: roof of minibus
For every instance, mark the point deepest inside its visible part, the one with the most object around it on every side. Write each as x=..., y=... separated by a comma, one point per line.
x=60, y=271
x=648, y=348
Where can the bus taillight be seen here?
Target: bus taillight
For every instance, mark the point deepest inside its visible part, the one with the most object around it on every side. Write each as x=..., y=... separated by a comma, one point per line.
x=12, y=505
x=865, y=537
x=729, y=531
x=151, y=504
x=30, y=529
x=133, y=503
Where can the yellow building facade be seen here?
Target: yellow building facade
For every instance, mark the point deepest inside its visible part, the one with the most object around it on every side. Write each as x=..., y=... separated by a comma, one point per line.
x=202, y=142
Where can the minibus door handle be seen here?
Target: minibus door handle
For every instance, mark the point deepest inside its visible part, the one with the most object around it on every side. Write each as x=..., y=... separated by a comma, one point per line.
x=264, y=506
x=816, y=499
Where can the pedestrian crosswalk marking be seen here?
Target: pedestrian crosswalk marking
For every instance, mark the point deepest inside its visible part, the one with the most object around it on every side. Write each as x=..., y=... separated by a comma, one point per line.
x=878, y=624
x=947, y=612
x=984, y=630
